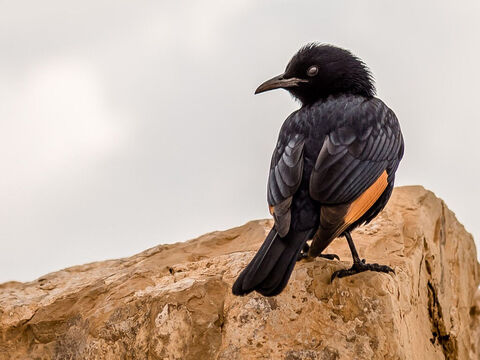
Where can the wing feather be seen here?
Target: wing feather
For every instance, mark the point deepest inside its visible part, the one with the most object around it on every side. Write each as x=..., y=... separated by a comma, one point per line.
x=286, y=170
x=353, y=157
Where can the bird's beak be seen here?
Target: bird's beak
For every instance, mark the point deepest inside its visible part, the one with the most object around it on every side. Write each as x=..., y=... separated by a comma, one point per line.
x=279, y=82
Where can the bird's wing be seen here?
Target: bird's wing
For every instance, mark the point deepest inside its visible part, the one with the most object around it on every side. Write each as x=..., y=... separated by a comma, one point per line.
x=284, y=179
x=353, y=156
x=355, y=164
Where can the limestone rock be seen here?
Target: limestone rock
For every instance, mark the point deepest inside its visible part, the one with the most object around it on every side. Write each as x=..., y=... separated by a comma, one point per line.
x=174, y=301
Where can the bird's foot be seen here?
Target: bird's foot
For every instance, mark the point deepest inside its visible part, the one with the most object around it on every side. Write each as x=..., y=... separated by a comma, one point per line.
x=329, y=256
x=303, y=255
x=359, y=267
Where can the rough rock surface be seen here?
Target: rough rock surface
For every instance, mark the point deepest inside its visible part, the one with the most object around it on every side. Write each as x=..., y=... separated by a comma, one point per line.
x=174, y=301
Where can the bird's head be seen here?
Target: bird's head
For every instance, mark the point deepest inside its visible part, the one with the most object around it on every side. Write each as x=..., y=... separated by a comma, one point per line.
x=317, y=71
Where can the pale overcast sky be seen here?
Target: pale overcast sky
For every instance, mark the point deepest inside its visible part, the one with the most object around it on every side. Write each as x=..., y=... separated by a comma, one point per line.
x=126, y=124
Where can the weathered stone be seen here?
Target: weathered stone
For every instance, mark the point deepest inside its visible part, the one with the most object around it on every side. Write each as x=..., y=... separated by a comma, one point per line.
x=174, y=301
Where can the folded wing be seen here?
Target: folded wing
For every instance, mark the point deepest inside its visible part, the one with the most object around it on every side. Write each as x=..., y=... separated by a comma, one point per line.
x=354, y=167
x=285, y=175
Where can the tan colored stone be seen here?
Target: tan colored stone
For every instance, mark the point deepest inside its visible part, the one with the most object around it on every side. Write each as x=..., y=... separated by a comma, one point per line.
x=174, y=301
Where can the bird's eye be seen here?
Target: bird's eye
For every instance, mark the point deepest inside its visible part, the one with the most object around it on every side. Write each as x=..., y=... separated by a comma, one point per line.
x=312, y=70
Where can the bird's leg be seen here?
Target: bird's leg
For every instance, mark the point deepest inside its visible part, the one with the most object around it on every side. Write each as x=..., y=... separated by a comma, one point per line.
x=304, y=254
x=359, y=265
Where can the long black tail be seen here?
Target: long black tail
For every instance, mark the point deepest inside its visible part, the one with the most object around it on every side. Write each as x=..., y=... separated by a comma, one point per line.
x=272, y=265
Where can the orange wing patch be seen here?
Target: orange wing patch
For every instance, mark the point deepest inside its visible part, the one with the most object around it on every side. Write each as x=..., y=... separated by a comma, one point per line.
x=271, y=209
x=367, y=199
x=364, y=202
x=346, y=215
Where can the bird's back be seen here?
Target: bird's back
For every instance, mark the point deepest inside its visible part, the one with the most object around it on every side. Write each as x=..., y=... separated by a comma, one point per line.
x=350, y=117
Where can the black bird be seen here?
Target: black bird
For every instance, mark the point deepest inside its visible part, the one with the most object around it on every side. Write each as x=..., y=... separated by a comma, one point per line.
x=332, y=170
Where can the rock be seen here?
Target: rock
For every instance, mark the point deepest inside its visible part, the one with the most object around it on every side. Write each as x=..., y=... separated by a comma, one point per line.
x=175, y=302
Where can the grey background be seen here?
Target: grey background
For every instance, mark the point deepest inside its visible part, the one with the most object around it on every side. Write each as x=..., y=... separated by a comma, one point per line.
x=125, y=124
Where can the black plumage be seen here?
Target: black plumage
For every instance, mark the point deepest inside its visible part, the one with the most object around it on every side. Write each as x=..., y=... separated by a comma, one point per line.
x=333, y=167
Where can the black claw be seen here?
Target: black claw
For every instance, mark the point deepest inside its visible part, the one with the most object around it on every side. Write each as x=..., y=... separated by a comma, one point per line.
x=303, y=255
x=361, y=267
x=329, y=256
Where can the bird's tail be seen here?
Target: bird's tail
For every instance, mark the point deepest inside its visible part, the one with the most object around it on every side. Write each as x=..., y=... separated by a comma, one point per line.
x=271, y=267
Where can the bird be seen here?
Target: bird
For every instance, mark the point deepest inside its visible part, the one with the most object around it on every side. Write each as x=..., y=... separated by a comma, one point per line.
x=332, y=170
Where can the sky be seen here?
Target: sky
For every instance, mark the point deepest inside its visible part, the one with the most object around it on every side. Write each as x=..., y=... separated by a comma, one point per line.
x=128, y=124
